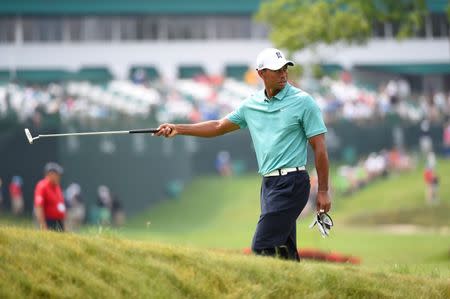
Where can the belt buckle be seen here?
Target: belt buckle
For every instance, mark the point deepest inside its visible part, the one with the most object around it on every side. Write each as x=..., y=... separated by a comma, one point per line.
x=283, y=171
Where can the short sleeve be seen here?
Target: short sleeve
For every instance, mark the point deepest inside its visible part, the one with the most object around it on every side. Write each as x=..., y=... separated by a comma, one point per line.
x=39, y=195
x=237, y=116
x=312, y=119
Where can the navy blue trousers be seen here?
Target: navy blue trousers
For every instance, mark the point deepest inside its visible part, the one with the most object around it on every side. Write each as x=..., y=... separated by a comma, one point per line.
x=282, y=200
x=56, y=225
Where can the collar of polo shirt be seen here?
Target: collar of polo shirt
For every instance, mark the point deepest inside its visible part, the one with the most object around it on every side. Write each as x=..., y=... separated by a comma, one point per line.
x=279, y=96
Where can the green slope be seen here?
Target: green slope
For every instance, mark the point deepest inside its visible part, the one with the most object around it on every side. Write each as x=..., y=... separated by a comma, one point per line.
x=213, y=211
x=37, y=264
x=233, y=203
x=216, y=212
x=398, y=193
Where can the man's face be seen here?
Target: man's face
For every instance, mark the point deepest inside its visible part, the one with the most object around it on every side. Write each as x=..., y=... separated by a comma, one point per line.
x=274, y=79
x=54, y=177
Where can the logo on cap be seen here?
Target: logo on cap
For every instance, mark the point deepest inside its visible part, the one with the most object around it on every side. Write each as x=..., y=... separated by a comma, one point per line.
x=279, y=55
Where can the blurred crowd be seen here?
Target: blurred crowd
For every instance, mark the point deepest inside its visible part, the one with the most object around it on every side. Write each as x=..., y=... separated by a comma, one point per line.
x=189, y=100
x=342, y=99
x=107, y=209
x=210, y=97
x=351, y=178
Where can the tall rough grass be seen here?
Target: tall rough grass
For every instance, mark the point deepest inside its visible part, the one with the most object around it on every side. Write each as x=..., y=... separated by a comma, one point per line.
x=36, y=264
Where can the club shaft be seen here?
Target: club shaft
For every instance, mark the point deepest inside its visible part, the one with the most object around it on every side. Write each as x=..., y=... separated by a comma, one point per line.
x=99, y=133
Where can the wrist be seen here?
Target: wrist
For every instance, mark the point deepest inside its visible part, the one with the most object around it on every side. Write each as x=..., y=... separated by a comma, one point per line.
x=174, y=128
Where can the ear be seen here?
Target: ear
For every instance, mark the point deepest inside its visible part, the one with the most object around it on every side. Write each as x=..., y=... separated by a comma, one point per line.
x=261, y=74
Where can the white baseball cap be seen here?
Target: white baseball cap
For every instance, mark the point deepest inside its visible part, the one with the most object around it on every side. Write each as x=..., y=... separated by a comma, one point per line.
x=272, y=59
x=54, y=167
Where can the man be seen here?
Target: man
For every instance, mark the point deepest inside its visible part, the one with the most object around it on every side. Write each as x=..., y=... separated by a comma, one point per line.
x=281, y=119
x=16, y=195
x=48, y=199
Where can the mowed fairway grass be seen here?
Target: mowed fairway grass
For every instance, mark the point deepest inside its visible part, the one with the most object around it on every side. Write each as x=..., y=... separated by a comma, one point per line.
x=221, y=213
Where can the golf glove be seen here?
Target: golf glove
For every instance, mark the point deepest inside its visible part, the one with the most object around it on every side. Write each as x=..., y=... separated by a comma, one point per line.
x=324, y=223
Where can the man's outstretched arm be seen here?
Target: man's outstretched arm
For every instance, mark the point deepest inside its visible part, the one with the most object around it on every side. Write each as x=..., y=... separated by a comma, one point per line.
x=321, y=161
x=210, y=128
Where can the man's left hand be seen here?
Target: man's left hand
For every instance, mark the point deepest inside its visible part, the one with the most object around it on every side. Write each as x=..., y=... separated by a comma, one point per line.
x=323, y=201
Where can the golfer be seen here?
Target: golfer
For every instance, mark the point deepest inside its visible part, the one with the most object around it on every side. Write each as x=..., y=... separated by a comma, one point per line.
x=282, y=119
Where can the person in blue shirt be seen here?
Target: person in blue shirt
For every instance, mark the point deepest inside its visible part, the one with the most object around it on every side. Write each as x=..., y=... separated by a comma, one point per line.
x=282, y=120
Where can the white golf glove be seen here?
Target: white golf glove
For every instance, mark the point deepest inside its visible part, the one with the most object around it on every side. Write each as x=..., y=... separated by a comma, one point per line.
x=324, y=223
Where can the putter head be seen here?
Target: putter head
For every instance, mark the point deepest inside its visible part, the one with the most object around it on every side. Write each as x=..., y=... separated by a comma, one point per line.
x=29, y=137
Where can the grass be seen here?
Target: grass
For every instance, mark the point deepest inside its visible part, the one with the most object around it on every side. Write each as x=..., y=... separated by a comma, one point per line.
x=399, y=192
x=399, y=199
x=37, y=264
x=434, y=216
x=222, y=213
x=192, y=247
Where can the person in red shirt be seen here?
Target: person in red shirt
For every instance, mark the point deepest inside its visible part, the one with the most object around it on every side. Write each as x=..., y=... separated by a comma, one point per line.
x=15, y=192
x=49, y=204
x=431, y=179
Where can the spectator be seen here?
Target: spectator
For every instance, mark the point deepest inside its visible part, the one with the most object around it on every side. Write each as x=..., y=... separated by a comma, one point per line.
x=446, y=139
x=447, y=107
x=431, y=160
x=392, y=92
x=118, y=214
x=15, y=193
x=76, y=210
x=49, y=206
x=432, y=183
x=404, y=89
x=429, y=106
x=426, y=143
x=398, y=160
x=104, y=203
x=223, y=163
x=139, y=76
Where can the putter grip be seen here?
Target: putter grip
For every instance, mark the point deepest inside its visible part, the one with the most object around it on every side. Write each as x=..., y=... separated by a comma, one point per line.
x=143, y=131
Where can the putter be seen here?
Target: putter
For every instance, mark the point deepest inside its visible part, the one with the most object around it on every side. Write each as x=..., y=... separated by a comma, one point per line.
x=31, y=139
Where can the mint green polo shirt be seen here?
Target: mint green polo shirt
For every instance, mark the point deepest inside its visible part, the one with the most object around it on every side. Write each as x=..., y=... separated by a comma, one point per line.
x=280, y=127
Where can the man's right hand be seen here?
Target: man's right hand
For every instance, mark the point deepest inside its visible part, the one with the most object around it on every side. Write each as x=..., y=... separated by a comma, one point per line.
x=166, y=130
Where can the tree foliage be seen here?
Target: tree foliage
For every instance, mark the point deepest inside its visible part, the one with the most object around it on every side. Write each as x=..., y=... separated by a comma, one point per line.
x=297, y=24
